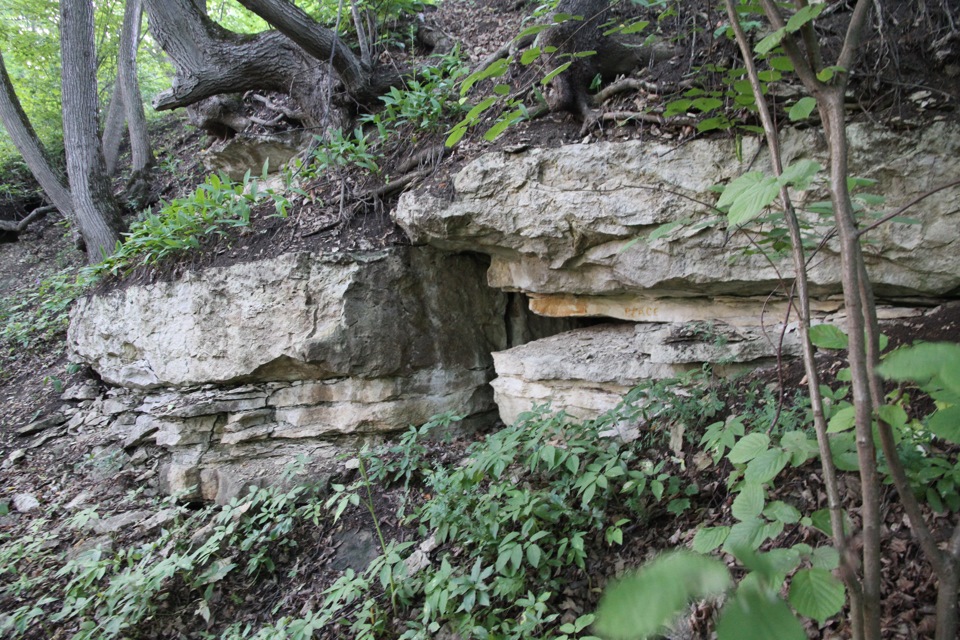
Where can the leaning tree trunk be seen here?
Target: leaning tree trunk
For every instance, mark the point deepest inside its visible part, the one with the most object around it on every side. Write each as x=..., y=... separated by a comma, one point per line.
x=94, y=206
x=27, y=142
x=211, y=60
x=142, y=155
x=113, y=129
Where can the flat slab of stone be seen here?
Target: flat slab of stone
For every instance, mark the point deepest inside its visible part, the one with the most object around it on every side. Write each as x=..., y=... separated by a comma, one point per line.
x=564, y=221
x=299, y=316
x=587, y=372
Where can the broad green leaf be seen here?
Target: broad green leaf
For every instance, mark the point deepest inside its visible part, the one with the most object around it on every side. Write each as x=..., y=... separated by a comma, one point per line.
x=827, y=336
x=455, y=135
x=817, y=594
x=893, y=415
x=770, y=42
x=825, y=558
x=709, y=538
x=706, y=104
x=800, y=447
x=781, y=63
x=782, y=512
x=753, y=200
x=641, y=604
x=533, y=555
x=636, y=27
x=826, y=75
x=800, y=173
x=749, y=502
x=749, y=447
x=754, y=615
x=767, y=465
x=736, y=187
x=745, y=535
x=805, y=15
x=842, y=420
x=495, y=70
x=505, y=121
x=530, y=55
x=820, y=519
x=945, y=424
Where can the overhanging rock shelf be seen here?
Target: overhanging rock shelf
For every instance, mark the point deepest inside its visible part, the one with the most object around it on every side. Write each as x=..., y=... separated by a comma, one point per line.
x=568, y=227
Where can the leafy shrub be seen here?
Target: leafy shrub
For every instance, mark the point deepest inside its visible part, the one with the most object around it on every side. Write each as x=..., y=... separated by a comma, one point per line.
x=218, y=205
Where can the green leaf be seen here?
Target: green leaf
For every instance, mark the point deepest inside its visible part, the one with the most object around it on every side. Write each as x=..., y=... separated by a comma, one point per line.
x=530, y=55
x=781, y=63
x=817, y=594
x=754, y=615
x=800, y=173
x=640, y=605
x=749, y=502
x=745, y=535
x=805, y=15
x=636, y=27
x=770, y=42
x=749, y=447
x=553, y=74
x=706, y=104
x=533, y=555
x=709, y=538
x=825, y=558
x=782, y=512
x=800, y=447
x=826, y=75
x=893, y=415
x=945, y=424
x=827, y=336
x=755, y=191
x=842, y=420
x=766, y=466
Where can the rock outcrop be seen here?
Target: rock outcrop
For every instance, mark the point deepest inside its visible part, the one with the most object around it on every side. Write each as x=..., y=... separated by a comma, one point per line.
x=569, y=227
x=238, y=371
x=563, y=222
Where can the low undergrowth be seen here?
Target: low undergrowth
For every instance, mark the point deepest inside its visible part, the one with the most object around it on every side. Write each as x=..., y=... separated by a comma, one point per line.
x=526, y=512
x=512, y=537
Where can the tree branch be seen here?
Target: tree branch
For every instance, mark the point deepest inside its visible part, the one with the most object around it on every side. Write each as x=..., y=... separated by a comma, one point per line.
x=18, y=227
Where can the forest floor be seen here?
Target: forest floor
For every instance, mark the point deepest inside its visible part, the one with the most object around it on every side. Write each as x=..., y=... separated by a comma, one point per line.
x=68, y=471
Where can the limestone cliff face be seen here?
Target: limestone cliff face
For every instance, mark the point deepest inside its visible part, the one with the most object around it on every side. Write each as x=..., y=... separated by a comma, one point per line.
x=238, y=371
x=235, y=372
x=296, y=317
x=569, y=227
x=561, y=222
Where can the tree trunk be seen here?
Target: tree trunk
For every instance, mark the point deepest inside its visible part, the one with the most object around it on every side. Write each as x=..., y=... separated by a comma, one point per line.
x=211, y=60
x=96, y=211
x=320, y=42
x=25, y=139
x=113, y=129
x=127, y=78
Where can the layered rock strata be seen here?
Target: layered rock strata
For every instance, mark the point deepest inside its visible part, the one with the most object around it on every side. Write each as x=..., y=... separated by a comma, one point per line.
x=572, y=227
x=238, y=371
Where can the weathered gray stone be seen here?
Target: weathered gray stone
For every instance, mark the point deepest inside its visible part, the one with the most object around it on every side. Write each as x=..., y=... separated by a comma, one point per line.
x=118, y=522
x=295, y=317
x=588, y=371
x=558, y=221
x=244, y=153
x=25, y=502
x=53, y=420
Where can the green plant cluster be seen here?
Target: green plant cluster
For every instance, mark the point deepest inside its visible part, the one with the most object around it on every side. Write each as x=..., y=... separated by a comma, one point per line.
x=217, y=206
x=103, y=594
x=424, y=105
x=37, y=315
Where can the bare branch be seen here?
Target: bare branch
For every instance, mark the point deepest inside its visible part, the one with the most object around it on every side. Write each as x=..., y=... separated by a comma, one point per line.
x=18, y=227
